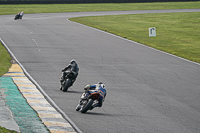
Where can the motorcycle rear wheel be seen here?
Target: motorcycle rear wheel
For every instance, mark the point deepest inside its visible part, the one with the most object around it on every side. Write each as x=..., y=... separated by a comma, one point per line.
x=67, y=85
x=87, y=106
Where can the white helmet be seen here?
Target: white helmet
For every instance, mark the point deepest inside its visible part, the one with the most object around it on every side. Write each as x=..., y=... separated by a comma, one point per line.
x=101, y=84
x=87, y=87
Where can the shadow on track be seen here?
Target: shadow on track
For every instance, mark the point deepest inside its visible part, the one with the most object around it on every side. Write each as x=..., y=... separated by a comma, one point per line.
x=71, y=91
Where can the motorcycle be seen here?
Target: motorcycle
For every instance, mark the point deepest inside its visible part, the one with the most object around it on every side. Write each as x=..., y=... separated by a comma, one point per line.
x=67, y=81
x=87, y=99
x=18, y=16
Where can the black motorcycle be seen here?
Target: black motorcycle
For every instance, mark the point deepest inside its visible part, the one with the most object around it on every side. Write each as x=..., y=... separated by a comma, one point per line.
x=67, y=82
x=18, y=16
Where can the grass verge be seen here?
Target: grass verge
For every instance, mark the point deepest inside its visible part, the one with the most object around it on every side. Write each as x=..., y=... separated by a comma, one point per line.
x=4, y=130
x=5, y=59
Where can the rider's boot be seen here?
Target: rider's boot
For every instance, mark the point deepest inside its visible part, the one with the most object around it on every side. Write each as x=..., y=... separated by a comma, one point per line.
x=91, y=108
x=94, y=105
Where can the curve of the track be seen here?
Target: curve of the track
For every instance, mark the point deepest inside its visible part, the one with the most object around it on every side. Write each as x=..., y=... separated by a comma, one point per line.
x=148, y=90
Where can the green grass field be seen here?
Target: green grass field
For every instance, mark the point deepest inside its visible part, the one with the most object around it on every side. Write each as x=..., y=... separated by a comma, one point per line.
x=53, y=8
x=177, y=33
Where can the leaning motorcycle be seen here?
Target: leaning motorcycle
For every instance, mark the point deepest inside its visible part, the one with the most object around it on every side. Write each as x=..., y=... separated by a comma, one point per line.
x=67, y=81
x=87, y=100
x=18, y=16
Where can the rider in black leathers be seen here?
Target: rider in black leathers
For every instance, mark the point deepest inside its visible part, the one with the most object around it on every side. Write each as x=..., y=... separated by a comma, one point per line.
x=73, y=66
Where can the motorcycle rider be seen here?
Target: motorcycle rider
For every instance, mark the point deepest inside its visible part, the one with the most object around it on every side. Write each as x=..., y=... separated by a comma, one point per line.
x=73, y=66
x=101, y=88
x=21, y=14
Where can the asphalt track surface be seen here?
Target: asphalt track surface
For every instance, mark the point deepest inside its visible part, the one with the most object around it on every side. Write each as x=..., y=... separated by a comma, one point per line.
x=148, y=91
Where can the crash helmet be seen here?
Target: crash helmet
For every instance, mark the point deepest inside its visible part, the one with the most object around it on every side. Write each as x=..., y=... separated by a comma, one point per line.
x=72, y=61
x=87, y=86
x=101, y=84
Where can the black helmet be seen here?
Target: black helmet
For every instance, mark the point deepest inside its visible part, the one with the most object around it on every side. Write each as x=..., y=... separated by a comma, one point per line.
x=72, y=61
x=100, y=83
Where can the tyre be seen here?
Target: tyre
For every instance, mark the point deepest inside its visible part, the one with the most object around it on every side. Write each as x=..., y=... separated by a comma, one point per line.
x=87, y=106
x=67, y=85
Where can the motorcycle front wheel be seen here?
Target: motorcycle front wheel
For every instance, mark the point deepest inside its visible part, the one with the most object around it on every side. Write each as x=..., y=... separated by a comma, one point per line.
x=67, y=85
x=87, y=106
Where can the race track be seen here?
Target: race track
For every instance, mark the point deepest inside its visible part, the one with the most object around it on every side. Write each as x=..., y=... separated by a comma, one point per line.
x=148, y=91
